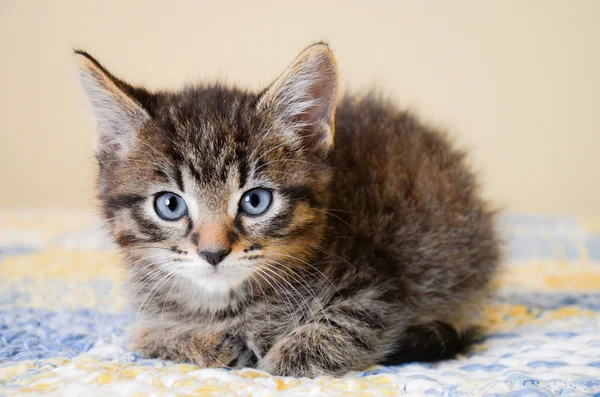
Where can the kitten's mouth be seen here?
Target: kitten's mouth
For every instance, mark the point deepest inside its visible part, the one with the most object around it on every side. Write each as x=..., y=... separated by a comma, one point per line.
x=215, y=278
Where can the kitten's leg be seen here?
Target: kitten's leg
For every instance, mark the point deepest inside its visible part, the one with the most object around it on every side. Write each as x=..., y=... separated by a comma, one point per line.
x=205, y=350
x=348, y=339
x=430, y=342
x=357, y=341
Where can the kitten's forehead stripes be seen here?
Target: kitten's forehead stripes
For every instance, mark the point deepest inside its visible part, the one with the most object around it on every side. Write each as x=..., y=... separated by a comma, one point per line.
x=195, y=173
x=243, y=167
x=172, y=152
x=161, y=175
x=211, y=131
x=179, y=179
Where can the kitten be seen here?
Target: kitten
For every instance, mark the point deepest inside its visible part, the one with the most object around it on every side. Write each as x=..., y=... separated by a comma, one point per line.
x=287, y=229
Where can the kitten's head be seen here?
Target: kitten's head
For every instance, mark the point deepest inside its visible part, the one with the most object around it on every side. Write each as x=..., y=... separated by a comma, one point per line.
x=211, y=183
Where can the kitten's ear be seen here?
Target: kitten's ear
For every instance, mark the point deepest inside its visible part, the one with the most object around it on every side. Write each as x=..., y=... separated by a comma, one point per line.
x=118, y=115
x=304, y=97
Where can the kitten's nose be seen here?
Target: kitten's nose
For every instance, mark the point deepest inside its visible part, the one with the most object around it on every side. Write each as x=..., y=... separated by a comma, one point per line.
x=214, y=257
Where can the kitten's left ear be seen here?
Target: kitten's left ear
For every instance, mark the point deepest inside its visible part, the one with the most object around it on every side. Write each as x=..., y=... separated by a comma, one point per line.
x=116, y=105
x=303, y=98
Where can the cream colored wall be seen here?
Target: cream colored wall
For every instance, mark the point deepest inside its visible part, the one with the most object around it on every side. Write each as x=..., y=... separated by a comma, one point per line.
x=516, y=81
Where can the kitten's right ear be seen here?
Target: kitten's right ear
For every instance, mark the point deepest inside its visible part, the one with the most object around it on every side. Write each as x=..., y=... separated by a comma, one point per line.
x=304, y=97
x=118, y=115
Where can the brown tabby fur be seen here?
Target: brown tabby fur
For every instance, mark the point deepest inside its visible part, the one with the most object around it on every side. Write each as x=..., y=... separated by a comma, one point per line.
x=377, y=248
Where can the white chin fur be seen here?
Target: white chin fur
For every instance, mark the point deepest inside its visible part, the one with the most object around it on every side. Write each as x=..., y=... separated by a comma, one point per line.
x=209, y=288
x=213, y=284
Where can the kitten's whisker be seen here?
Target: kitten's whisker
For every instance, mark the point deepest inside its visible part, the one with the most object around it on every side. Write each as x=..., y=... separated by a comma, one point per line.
x=334, y=254
x=259, y=273
x=146, y=277
x=308, y=264
x=308, y=289
x=160, y=278
x=268, y=151
x=267, y=278
x=162, y=312
x=142, y=282
x=150, y=276
x=169, y=276
x=265, y=135
x=249, y=284
x=144, y=247
x=182, y=281
x=125, y=163
x=105, y=221
x=336, y=210
x=155, y=288
x=293, y=161
x=268, y=268
x=240, y=295
x=103, y=264
x=131, y=266
x=335, y=216
x=308, y=305
x=158, y=152
x=265, y=298
x=287, y=173
x=296, y=268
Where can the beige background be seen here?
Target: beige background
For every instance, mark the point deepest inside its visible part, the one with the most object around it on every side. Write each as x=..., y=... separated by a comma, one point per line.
x=517, y=82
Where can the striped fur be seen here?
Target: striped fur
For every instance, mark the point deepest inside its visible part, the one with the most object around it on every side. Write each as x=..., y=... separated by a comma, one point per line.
x=376, y=248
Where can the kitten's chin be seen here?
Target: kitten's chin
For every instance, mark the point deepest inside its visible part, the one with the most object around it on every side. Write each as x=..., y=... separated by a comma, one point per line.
x=219, y=281
x=214, y=285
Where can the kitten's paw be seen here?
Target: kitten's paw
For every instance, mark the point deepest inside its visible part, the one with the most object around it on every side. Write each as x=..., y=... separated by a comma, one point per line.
x=279, y=366
x=313, y=350
x=291, y=358
x=205, y=350
x=239, y=352
x=282, y=364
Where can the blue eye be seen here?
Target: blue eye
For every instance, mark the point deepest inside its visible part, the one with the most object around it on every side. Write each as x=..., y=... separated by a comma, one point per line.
x=170, y=206
x=256, y=201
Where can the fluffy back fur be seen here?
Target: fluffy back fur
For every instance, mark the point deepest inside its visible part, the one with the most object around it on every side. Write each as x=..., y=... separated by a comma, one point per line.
x=375, y=247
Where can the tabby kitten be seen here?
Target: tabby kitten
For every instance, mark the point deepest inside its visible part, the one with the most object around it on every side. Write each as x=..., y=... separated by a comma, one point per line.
x=287, y=229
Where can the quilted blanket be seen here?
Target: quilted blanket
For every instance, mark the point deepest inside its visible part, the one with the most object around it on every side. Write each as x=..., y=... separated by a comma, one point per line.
x=64, y=327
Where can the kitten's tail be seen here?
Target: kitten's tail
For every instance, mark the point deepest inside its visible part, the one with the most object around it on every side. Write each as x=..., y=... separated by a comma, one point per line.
x=431, y=342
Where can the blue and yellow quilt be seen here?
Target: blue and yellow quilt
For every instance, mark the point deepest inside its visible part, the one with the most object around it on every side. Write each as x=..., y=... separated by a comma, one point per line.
x=64, y=330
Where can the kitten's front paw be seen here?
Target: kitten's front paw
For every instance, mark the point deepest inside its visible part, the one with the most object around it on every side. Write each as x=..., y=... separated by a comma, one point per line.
x=205, y=350
x=281, y=363
x=312, y=350
x=242, y=355
x=278, y=365
x=299, y=358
